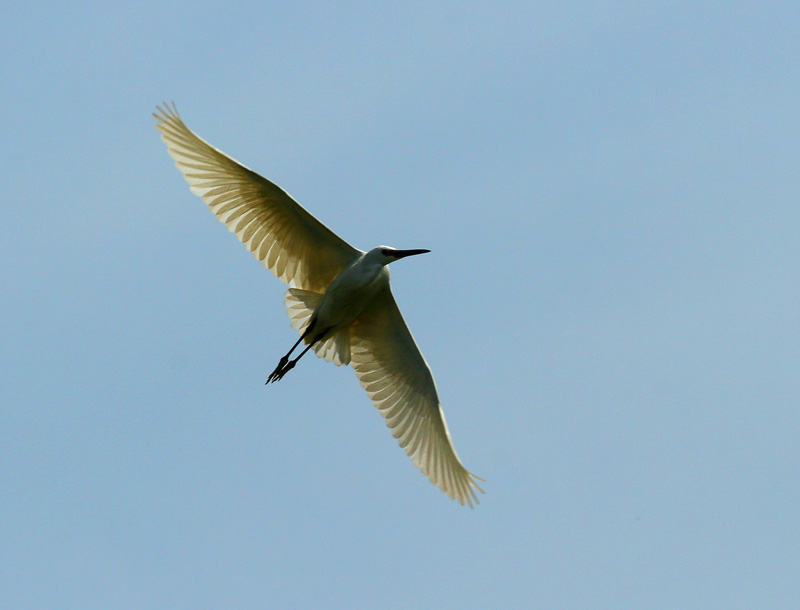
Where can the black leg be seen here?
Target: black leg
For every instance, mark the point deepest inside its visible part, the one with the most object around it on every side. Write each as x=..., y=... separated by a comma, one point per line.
x=284, y=367
x=282, y=363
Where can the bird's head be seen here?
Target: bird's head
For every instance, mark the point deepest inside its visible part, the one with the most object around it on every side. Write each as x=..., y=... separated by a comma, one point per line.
x=384, y=255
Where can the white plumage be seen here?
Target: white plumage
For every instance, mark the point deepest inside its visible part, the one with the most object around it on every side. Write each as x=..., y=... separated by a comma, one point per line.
x=339, y=299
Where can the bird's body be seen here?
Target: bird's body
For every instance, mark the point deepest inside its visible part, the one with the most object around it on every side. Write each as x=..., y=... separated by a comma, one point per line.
x=351, y=291
x=339, y=299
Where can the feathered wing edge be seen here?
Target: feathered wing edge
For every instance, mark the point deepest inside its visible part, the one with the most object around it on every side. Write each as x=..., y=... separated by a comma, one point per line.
x=296, y=247
x=399, y=382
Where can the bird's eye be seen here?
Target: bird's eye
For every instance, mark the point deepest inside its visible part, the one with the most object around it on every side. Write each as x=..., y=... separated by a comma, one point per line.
x=386, y=252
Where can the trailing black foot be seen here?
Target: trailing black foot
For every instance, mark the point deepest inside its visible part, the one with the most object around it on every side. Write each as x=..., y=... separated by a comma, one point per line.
x=282, y=368
x=285, y=365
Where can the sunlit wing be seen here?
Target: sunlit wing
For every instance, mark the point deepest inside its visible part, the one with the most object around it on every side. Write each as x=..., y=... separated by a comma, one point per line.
x=391, y=369
x=277, y=230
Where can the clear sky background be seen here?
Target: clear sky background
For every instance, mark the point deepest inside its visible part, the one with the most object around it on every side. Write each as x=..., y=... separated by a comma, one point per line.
x=611, y=308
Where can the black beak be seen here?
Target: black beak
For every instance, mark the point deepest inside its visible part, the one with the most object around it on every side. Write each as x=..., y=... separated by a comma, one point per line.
x=403, y=253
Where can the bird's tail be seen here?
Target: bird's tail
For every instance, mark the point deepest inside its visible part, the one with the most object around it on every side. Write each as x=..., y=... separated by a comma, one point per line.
x=300, y=305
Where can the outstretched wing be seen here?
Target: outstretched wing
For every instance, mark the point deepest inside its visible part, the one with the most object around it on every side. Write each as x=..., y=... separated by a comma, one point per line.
x=277, y=230
x=391, y=369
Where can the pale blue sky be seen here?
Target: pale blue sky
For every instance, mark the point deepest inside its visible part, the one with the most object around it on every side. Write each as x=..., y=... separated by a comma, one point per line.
x=611, y=308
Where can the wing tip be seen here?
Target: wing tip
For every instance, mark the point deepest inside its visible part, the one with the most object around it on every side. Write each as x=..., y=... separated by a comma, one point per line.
x=471, y=496
x=461, y=490
x=164, y=113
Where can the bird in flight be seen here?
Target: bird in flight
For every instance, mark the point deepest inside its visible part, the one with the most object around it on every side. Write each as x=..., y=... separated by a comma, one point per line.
x=339, y=299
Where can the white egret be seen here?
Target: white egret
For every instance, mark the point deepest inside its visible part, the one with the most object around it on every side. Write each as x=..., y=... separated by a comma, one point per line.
x=339, y=299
